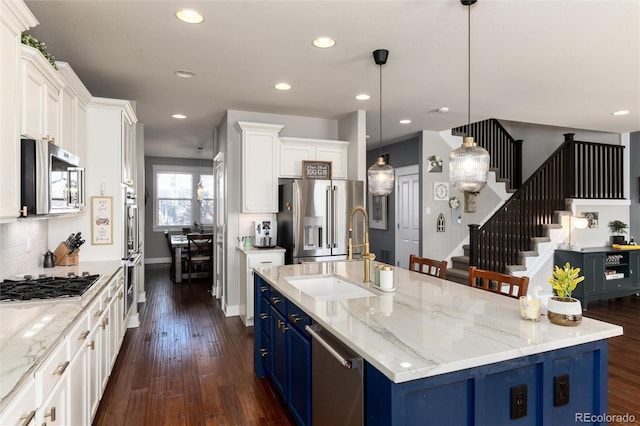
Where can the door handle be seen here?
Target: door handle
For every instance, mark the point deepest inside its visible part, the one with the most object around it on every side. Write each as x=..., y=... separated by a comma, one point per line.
x=346, y=364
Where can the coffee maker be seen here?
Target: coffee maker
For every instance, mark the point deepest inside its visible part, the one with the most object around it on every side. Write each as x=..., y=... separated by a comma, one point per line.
x=265, y=234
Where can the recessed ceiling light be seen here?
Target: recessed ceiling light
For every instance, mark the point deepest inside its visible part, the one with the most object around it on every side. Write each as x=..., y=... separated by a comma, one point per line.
x=189, y=16
x=184, y=73
x=621, y=112
x=283, y=86
x=179, y=116
x=363, y=97
x=405, y=121
x=324, y=42
x=443, y=110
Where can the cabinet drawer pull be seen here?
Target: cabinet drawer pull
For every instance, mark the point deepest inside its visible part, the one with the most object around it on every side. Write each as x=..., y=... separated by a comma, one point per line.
x=107, y=299
x=105, y=322
x=83, y=335
x=264, y=288
x=275, y=300
x=27, y=419
x=97, y=313
x=264, y=316
x=51, y=414
x=61, y=368
x=295, y=318
x=265, y=262
x=91, y=345
x=120, y=295
x=264, y=352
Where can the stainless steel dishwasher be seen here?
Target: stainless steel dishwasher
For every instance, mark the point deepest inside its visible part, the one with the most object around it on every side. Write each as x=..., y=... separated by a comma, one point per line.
x=336, y=377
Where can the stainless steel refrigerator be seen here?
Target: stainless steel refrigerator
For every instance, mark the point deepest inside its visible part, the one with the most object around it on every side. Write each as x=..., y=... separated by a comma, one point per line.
x=313, y=218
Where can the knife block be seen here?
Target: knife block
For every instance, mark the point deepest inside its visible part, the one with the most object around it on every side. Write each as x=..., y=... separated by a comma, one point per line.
x=63, y=258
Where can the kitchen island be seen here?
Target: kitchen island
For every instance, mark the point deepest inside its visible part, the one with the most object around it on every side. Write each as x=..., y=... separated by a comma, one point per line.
x=444, y=352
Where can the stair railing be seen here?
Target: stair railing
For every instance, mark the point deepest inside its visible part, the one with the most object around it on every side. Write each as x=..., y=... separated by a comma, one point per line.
x=505, y=151
x=575, y=170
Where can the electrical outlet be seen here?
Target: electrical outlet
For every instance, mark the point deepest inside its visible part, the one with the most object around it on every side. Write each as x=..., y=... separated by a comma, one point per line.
x=560, y=390
x=518, y=401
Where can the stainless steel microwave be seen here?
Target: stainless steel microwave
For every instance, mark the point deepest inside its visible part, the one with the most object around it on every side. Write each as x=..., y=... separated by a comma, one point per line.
x=51, y=181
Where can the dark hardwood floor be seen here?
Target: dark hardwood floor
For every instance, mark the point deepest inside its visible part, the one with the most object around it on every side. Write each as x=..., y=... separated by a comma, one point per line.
x=187, y=364
x=624, y=355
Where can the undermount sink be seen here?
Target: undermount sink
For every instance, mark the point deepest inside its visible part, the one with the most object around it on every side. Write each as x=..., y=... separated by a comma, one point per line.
x=328, y=287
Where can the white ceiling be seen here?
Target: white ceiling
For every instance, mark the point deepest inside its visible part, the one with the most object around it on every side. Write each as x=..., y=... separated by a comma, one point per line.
x=565, y=63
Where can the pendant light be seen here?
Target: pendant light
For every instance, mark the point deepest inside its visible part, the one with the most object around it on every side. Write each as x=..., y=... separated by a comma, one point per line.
x=468, y=164
x=200, y=186
x=381, y=176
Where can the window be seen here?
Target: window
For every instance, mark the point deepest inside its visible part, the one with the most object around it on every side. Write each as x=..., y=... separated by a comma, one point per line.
x=175, y=203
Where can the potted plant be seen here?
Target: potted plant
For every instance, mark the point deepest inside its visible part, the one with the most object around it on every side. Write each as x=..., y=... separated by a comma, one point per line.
x=618, y=228
x=564, y=309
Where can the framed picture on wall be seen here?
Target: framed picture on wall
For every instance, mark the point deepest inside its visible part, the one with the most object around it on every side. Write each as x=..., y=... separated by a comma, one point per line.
x=378, y=211
x=101, y=220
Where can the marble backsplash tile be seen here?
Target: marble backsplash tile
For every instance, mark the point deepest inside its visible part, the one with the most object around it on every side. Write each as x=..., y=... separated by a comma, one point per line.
x=22, y=245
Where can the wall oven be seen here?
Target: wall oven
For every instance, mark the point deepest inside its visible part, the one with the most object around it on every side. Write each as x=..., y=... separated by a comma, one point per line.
x=51, y=181
x=131, y=247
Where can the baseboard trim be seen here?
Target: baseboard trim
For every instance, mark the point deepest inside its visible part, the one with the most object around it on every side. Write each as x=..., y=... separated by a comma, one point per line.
x=154, y=260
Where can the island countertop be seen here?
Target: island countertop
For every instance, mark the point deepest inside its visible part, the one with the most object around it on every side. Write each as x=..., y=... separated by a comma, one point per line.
x=429, y=326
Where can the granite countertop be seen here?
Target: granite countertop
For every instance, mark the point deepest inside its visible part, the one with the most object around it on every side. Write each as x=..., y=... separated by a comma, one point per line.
x=429, y=326
x=30, y=330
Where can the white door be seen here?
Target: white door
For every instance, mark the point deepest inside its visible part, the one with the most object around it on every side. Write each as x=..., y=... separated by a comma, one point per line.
x=407, y=214
x=219, y=188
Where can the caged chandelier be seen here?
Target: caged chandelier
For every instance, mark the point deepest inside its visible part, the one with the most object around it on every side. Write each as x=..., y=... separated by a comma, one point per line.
x=381, y=176
x=469, y=163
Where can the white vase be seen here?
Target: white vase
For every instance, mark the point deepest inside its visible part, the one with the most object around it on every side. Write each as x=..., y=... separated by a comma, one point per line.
x=564, y=311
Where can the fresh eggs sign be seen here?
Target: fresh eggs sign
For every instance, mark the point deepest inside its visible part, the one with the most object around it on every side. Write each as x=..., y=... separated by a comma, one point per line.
x=316, y=170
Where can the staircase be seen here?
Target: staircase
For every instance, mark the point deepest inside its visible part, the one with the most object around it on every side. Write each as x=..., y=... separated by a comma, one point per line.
x=530, y=219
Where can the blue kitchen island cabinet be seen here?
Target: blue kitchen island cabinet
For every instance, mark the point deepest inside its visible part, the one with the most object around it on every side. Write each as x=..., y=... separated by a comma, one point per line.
x=282, y=349
x=435, y=352
x=483, y=395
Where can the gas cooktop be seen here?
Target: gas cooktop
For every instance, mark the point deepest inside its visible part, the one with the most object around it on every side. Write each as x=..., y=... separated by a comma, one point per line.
x=46, y=287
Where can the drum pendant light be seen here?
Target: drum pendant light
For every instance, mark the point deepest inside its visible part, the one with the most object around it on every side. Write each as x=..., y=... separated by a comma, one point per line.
x=468, y=164
x=381, y=176
x=200, y=187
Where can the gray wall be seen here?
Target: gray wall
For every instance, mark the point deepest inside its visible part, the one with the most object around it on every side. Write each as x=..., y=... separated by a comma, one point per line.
x=155, y=245
x=634, y=193
x=404, y=153
x=539, y=142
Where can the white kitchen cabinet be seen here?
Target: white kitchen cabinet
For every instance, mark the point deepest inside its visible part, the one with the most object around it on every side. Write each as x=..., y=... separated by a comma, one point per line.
x=16, y=18
x=249, y=259
x=259, y=167
x=115, y=324
x=53, y=410
x=77, y=402
x=293, y=151
x=41, y=86
x=74, y=98
x=22, y=409
x=128, y=150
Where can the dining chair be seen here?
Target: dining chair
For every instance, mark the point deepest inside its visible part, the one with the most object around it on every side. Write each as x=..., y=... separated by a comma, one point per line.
x=497, y=283
x=200, y=253
x=424, y=265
